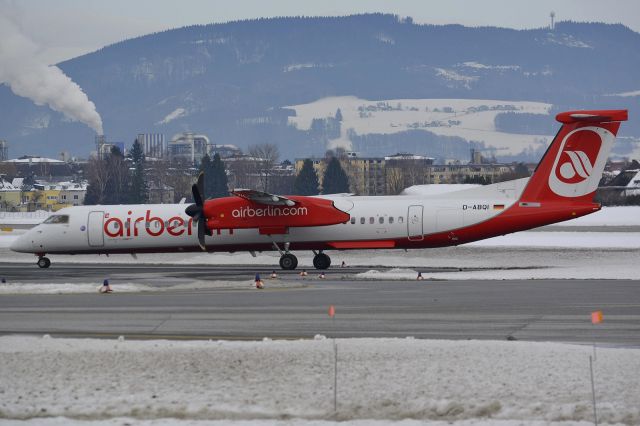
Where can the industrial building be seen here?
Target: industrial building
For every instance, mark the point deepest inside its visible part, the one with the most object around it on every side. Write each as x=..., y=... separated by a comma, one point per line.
x=153, y=145
x=188, y=147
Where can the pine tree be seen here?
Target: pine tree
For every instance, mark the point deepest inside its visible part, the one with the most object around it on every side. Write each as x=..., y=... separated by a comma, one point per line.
x=306, y=183
x=335, y=180
x=138, y=189
x=220, y=186
x=117, y=184
x=215, y=177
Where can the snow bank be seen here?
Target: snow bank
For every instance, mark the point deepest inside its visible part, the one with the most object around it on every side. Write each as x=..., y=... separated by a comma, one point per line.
x=563, y=239
x=128, y=287
x=608, y=216
x=74, y=381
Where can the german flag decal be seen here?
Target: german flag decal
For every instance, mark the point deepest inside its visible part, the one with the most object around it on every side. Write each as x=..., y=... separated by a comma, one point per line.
x=498, y=206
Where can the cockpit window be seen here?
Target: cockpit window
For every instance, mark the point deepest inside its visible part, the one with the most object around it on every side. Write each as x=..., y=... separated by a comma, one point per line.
x=57, y=218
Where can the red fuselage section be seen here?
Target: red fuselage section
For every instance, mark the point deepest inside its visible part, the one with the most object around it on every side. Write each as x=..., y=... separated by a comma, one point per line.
x=240, y=213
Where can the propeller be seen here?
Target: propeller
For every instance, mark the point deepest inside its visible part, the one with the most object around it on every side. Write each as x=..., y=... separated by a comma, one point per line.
x=196, y=211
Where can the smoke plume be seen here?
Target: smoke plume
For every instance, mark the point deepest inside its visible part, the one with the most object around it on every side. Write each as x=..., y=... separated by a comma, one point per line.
x=30, y=77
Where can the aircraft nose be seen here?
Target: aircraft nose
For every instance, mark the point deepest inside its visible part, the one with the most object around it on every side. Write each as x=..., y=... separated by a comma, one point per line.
x=22, y=244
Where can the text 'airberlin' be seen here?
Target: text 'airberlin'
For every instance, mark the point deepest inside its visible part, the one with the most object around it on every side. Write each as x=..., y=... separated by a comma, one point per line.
x=269, y=211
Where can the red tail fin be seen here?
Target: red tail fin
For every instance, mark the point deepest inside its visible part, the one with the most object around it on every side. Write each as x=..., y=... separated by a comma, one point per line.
x=571, y=168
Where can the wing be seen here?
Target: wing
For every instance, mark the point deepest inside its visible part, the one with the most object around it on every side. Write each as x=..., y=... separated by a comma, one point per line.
x=263, y=197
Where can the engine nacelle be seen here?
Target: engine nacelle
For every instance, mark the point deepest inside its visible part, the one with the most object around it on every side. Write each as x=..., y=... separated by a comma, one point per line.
x=240, y=213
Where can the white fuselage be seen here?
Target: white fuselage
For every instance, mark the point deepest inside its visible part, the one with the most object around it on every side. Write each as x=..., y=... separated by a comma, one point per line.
x=166, y=227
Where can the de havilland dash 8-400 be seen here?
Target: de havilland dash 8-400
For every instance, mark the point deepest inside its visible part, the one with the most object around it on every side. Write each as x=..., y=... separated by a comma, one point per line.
x=562, y=187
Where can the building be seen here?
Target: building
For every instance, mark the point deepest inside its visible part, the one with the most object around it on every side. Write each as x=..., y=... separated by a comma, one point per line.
x=72, y=193
x=18, y=196
x=633, y=187
x=4, y=150
x=366, y=175
x=245, y=171
x=390, y=175
x=160, y=194
x=224, y=151
x=403, y=170
x=10, y=195
x=104, y=148
x=188, y=147
x=464, y=173
x=153, y=145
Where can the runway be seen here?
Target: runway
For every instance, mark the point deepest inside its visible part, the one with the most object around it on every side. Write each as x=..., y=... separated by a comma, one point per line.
x=292, y=307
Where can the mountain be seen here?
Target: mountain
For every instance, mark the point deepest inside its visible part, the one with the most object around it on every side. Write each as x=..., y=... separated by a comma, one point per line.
x=232, y=81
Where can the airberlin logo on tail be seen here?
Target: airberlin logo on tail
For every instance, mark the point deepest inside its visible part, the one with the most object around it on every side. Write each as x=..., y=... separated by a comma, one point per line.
x=577, y=169
x=579, y=165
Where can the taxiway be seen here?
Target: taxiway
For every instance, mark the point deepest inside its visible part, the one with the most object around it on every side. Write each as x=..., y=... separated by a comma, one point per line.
x=293, y=307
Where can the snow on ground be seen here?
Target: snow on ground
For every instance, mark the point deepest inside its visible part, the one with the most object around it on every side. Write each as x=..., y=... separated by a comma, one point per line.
x=75, y=381
x=462, y=118
x=129, y=287
x=176, y=113
x=608, y=216
x=9, y=219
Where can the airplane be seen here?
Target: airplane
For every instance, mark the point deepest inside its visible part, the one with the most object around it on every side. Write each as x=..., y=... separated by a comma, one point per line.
x=562, y=187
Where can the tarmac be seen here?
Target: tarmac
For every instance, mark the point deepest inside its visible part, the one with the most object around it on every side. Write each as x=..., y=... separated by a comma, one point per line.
x=293, y=308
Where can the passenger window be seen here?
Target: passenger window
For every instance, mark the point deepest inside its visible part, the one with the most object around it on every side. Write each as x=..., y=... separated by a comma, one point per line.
x=371, y=220
x=400, y=219
x=362, y=221
x=353, y=220
x=390, y=220
x=381, y=220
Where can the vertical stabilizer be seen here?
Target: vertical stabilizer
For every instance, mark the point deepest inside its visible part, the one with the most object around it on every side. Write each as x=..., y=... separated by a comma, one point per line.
x=571, y=168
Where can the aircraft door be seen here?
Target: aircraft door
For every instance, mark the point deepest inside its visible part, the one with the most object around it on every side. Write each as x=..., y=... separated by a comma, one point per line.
x=414, y=223
x=95, y=229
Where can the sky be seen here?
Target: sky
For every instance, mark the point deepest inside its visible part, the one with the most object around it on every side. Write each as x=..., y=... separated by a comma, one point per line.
x=64, y=29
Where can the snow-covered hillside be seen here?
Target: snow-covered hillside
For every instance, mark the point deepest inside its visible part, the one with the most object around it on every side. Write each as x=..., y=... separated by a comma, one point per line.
x=471, y=119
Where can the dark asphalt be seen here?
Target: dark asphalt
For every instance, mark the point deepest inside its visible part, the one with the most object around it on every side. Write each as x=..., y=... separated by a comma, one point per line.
x=535, y=310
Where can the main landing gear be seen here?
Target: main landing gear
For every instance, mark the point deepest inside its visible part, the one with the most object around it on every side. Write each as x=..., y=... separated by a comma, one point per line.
x=43, y=262
x=289, y=262
x=321, y=260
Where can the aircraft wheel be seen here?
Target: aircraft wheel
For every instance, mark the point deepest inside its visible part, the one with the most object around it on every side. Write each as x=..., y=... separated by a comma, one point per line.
x=321, y=261
x=44, y=262
x=288, y=262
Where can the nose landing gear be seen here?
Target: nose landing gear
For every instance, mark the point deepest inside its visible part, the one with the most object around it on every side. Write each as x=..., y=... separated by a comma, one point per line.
x=43, y=262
